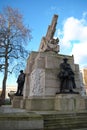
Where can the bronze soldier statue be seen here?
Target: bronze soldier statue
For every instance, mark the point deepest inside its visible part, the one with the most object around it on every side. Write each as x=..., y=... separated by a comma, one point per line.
x=66, y=76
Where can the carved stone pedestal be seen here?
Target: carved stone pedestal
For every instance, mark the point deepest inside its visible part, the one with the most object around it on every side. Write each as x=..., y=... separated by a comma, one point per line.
x=16, y=102
x=70, y=102
x=59, y=102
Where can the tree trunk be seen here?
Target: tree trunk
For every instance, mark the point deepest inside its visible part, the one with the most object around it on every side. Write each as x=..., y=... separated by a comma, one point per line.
x=4, y=86
x=3, y=94
x=3, y=91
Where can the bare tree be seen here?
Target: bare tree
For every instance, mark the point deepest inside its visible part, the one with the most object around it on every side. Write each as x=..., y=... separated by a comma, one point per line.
x=14, y=36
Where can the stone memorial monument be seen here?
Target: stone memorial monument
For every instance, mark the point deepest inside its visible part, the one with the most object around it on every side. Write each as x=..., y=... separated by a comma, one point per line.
x=42, y=85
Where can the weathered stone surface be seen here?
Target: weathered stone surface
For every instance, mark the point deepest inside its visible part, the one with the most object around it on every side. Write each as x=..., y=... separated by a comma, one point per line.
x=48, y=43
x=21, y=121
x=69, y=102
x=17, y=101
x=39, y=103
x=43, y=68
x=37, y=82
x=29, y=68
x=43, y=78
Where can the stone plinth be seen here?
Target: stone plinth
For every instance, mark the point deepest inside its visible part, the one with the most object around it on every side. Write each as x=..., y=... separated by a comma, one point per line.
x=43, y=82
x=17, y=102
x=29, y=69
x=43, y=68
x=40, y=103
x=21, y=121
x=69, y=102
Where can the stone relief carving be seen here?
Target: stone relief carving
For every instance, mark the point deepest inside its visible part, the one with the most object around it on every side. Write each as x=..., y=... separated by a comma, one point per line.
x=36, y=82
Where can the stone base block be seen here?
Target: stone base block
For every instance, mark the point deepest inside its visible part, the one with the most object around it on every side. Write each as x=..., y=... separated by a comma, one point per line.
x=60, y=102
x=17, y=102
x=70, y=102
x=40, y=103
x=21, y=121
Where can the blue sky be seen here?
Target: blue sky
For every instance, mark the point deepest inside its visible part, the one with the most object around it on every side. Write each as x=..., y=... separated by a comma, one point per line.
x=71, y=26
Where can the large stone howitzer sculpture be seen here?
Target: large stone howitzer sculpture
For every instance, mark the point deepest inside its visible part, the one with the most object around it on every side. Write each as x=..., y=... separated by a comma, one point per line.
x=49, y=43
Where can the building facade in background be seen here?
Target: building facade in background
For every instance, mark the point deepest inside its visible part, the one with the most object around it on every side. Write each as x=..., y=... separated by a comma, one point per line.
x=84, y=73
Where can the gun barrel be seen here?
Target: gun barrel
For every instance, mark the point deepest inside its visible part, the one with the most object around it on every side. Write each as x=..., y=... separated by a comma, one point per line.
x=52, y=28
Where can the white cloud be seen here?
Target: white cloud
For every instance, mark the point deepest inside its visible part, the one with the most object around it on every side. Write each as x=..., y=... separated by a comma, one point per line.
x=71, y=29
x=80, y=52
x=74, y=37
x=84, y=15
x=74, y=29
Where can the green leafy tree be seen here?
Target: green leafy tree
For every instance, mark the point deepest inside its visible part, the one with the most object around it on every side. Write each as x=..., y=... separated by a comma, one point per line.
x=14, y=36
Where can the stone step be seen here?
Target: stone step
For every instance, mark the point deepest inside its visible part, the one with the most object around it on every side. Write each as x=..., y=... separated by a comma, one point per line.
x=65, y=121
x=21, y=121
